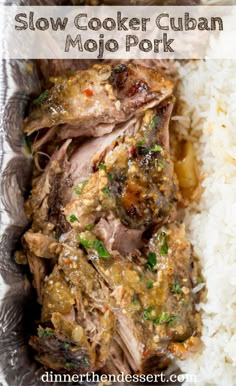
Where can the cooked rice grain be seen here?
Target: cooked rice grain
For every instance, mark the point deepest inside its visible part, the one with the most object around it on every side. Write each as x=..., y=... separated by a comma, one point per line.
x=208, y=93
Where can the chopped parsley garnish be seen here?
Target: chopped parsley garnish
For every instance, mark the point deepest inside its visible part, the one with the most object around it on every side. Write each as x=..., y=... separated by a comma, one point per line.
x=27, y=144
x=80, y=187
x=100, y=248
x=152, y=260
x=176, y=287
x=41, y=98
x=164, y=248
x=135, y=299
x=162, y=238
x=46, y=333
x=164, y=317
x=85, y=243
x=97, y=245
x=161, y=164
x=85, y=360
x=154, y=122
x=89, y=227
x=147, y=313
x=73, y=218
x=102, y=167
x=156, y=148
x=39, y=357
x=141, y=142
x=110, y=176
x=199, y=280
x=70, y=365
x=66, y=345
x=105, y=190
x=172, y=319
x=150, y=285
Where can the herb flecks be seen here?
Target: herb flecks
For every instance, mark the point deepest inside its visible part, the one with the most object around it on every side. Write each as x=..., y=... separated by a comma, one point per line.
x=89, y=227
x=85, y=360
x=73, y=218
x=152, y=261
x=176, y=287
x=85, y=242
x=102, y=167
x=149, y=285
x=147, y=314
x=105, y=190
x=172, y=319
x=80, y=187
x=42, y=97
x=95, y=244
x=140, y=142
x=46, y=333
x=70, y=365
x=156, y=148
x=100, y=249
x=154, y=122
x=159, y=164
x=135, y=299
x=164, y=317
x=162, y=238
x=199, y=280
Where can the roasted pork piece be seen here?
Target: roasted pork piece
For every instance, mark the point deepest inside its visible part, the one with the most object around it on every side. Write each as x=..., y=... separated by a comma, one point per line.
x=134, y=181
x=76, y=308
x=110, y=261
x=52, y=70
x=94, y=300
x=91, y=102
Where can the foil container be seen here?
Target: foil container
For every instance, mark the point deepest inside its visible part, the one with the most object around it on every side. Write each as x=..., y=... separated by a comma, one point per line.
x=17, y=302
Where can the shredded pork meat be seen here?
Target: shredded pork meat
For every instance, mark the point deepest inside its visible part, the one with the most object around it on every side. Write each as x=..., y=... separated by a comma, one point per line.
x=110, y=261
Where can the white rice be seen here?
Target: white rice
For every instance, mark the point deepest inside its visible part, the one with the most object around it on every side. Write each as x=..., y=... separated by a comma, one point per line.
x=208, y=91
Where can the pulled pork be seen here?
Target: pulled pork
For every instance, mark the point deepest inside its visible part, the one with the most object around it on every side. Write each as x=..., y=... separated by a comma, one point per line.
x=110, y=261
